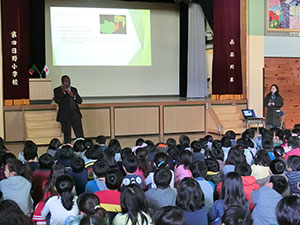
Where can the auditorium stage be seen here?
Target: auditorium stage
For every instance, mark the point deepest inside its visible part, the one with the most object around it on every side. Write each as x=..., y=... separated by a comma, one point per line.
x=125, y=118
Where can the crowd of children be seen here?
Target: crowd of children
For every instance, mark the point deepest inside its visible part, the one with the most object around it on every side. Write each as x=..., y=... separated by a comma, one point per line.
x=253, y=179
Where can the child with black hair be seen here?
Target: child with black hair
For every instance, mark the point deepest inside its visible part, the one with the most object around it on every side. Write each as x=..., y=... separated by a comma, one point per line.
x=199, y=171
x=292, y=147
x=293, y=173
x=31, y=157
x=10, y=213
x=162, y=179
x=231, y=135
x=277, y=168
x=53, y=146
x=245, y=144
x=232, y=194
x=130, y=165
x=190, y=199
x=79, y=174
x=78, y=147
x=173, y=154
x=169, y=215
x=46, y=161
x=218, y=154
x=184, y=143
x=48, y=191
x=171, y=142
x=115, y=145
x=196, y=149
x=209, y=139
x=101, y=140
x=64, y=156
x=214, y=174
x=29, y=146
x=236, y=215
x=182, y=169
x=235, y=157
x=4, y=156
x=249, y=182
x=265, y=200
x=91, y=155
x=134, y=207
x=260, y=168
x=109, y=157
x=110, y=198
x=17, y=186
x=88, y=205
x=161, y=160
x=100, y=169
x=226, y=145
x=144, y=166
x=278, y=152
x=62, y=206
x=288, y=210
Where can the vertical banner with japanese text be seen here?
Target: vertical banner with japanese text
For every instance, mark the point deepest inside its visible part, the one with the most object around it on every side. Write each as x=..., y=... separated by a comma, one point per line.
x=227, y=72
x=15, y=45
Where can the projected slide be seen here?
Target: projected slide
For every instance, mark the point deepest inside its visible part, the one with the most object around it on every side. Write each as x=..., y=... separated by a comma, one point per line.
x=100, y=37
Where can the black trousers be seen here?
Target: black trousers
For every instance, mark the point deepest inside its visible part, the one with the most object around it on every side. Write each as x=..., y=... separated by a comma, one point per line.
x=76, y=124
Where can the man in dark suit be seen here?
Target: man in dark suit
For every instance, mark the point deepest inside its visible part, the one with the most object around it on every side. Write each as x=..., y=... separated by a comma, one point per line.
x=68, y=114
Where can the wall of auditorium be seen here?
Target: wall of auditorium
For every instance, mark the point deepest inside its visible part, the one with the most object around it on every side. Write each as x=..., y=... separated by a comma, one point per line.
x=255, y=55
x=1, y=84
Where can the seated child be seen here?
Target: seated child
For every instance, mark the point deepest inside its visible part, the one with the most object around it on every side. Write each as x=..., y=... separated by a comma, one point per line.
x=31, y=157
x=101, y=140
x=265, y=200
x=53, y=146
x=110, y=198
x=182, y=169
x=130, y=164
x=100, y=168
x=169, y=215
x=292, y=148
x=260, y=168
x=196, y=149
x=199, y=171
x=160, y=161
x=249, y=182
x=288, y=210
x=293, y=174
x=162, y=179
x=214, y=174
x=231, y=135
x=46, y=162
x=79, y=174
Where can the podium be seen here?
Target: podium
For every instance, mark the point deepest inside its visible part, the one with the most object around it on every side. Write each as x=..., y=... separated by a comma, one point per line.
x=40, y=91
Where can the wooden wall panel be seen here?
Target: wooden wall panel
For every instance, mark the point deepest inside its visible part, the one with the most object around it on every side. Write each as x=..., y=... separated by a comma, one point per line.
x=285, y=72
x=136, y=120
x=96, y=122
x=184, y=119
x=14, y=126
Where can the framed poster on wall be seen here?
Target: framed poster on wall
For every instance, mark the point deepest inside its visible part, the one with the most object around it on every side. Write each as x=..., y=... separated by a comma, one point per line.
x=283, y=15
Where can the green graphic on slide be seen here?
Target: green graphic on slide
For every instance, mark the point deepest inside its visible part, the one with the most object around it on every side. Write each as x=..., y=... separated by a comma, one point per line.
x=112, y=24
x=141, y=22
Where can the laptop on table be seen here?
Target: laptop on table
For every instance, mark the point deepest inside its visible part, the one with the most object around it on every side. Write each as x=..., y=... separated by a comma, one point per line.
x=249, y=114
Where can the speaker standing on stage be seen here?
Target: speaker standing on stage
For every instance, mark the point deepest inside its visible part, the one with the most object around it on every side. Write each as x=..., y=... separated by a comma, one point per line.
x=68, y=114
x=273, y=101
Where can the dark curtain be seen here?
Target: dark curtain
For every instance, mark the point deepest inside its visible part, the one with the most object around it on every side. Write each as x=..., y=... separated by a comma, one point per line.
x=37, y=35
x=208, y=9
x=183, y=50
x=15, y=45
x=227, y=77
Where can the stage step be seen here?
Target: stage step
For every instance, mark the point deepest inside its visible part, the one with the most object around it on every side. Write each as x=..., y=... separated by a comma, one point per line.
x=223, y=118
x=41, y=126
